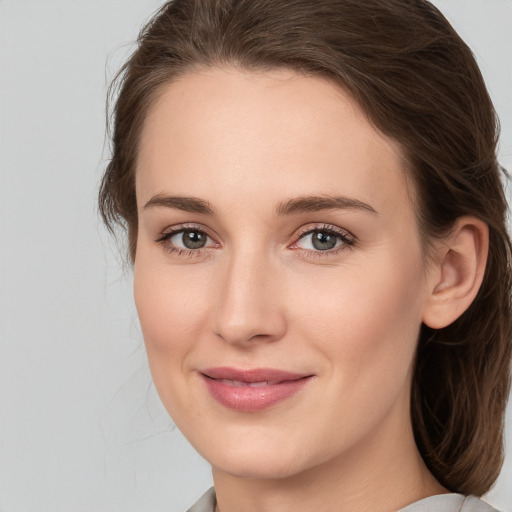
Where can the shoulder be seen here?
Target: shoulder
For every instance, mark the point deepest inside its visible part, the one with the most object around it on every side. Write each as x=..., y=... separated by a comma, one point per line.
x=206, y=502
x=439, y=503
x=449, y=503
x=473, y=504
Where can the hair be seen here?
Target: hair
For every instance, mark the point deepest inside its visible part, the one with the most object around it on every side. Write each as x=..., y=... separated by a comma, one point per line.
x=419, y=84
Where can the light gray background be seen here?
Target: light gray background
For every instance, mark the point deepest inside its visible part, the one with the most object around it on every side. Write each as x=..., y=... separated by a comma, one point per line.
x=81, y=428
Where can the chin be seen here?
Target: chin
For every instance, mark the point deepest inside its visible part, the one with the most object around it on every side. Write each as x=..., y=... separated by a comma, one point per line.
x=257, y=469
x=257, y=462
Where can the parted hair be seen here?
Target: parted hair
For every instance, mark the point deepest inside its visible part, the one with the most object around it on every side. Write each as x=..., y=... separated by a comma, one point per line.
x=419, y=84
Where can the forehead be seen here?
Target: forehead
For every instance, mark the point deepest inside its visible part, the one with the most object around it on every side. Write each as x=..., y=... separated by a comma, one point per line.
x=265, y=134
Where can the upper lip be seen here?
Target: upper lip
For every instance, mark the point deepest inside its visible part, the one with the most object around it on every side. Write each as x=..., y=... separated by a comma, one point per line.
x=252, y=375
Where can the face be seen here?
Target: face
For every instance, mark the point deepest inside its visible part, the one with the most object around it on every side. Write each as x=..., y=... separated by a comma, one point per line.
x=279, y=277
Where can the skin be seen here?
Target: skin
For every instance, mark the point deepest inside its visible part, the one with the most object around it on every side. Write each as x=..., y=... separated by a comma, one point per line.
x=259, y=294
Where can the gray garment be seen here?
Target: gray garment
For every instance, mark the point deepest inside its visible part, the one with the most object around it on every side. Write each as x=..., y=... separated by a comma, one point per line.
x=206, y=503
x=449, y=503
x=439, y=503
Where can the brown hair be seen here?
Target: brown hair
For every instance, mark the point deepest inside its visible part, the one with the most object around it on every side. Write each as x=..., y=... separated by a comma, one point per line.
x=420, y=85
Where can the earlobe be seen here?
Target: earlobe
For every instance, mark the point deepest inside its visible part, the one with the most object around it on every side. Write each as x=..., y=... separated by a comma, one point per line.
x=457, y=272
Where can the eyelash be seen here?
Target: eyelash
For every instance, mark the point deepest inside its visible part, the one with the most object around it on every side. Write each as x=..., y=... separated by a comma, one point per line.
x=165, y=237
x=347, y=240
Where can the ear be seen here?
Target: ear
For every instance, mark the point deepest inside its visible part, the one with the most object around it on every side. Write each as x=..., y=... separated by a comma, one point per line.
x=457, y=271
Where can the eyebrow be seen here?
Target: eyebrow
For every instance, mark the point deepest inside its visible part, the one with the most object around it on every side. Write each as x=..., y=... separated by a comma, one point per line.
x=296, y=205
x=187, y=204
x=318, y=203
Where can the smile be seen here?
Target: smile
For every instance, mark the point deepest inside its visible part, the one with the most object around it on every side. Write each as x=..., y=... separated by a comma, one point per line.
x=238, y=383
x=252, y=390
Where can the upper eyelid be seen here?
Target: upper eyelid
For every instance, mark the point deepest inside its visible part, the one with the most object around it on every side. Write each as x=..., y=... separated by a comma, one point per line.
x=309, y=228
x=312, y=226
x=178, y=228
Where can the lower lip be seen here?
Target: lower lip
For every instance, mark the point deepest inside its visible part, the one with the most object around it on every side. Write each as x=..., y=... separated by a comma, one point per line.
x=253, y=399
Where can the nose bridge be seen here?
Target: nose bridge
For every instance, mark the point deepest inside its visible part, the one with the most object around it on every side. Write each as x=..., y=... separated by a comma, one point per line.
x=248, y=307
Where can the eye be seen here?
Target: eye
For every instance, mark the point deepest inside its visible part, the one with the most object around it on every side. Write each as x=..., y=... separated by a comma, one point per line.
x=189, y=240
x=323, y=239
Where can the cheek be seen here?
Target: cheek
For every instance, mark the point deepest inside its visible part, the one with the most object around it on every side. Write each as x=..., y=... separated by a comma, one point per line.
x=369, y=321
x=169, y=311
x=366, y=330
x=171, y=318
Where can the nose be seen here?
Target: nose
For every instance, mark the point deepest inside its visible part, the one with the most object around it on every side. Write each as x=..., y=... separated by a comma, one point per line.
x=249, y=307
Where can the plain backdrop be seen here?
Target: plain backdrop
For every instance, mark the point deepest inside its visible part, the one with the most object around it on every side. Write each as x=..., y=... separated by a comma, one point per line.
x=81, y=428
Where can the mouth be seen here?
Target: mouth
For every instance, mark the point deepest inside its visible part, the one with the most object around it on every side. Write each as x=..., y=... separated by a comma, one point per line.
x=252, y=390
x=239, y=383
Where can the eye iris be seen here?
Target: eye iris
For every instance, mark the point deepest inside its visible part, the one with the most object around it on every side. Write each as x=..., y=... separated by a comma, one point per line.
x=323, y=241
x=193, y=239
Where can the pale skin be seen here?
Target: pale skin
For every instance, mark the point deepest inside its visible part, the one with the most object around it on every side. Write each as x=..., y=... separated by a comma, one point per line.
x=236, y=157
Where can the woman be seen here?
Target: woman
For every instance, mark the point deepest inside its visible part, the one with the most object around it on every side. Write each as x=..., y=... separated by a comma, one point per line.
x=321, y=266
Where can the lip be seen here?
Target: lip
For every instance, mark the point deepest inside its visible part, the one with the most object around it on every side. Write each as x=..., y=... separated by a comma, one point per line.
x=252, y=390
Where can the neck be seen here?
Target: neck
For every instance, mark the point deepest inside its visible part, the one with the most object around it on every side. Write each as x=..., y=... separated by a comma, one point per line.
x=383, y=473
